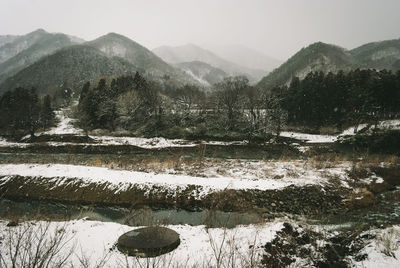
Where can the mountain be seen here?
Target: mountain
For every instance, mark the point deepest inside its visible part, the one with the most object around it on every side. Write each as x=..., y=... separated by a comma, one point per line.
x=316, y=57
x=46, y=44
x=5, y=39
x=190, y=52
x=206, y=74
x=74, y=65
x=19, y=44
x=115, y=45
x=379, y=55
x=247, y=57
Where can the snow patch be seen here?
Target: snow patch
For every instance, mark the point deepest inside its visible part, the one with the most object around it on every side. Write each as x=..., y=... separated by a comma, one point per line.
x=94, y=240
x=276, y=176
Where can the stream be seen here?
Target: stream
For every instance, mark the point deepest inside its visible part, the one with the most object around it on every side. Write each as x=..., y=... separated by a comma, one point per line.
x=382, y=214
x=11, y=209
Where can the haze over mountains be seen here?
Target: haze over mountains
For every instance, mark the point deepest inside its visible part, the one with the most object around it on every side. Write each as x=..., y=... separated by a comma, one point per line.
x=47, y=60
x=246, y=57
x=203, y=72
x=191, y=52
x=49, y=64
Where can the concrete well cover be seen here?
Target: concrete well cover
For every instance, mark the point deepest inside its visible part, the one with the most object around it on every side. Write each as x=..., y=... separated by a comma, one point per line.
x=148, y=241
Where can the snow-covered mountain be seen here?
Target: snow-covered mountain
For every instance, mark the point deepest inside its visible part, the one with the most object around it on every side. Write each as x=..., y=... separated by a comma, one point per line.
x=5, y=39
x=316, y=57
x=32, y=47
x=206, y=74
x=379, y=55
x=74, y=65
x=190, y=52
x=331, y=58
x=20, y=43
x=54, y=59
x=115, y=45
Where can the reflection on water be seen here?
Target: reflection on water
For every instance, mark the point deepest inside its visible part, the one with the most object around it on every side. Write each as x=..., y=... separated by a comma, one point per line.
x=137, y=217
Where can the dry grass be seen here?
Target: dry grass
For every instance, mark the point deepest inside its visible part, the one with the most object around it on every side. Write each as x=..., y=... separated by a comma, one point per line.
x=324, y=161
x=389, y=241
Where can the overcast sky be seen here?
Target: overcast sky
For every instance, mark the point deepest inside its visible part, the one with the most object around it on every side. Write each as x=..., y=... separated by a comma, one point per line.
x=278, y=28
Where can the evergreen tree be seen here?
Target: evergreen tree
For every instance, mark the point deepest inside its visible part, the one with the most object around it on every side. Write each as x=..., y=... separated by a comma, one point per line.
x=46, y=112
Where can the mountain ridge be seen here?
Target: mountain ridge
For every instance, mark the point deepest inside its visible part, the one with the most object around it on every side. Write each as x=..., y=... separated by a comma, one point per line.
x=113, y=44
x=76, y=65
x=191, y=52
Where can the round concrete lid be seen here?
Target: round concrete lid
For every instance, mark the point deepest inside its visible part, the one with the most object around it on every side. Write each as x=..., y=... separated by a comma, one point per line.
x=148, y=242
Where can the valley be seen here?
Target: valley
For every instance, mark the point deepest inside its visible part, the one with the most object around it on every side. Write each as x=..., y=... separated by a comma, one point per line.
x=206, y=190
x=253, y=161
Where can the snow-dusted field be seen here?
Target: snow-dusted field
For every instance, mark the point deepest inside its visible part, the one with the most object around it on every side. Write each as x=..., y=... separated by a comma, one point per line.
x=277, y=175
x=199, y=246
x=95, y=242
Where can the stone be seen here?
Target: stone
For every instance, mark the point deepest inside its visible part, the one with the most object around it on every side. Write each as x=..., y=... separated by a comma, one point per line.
x=148, y=242
x=12, y=224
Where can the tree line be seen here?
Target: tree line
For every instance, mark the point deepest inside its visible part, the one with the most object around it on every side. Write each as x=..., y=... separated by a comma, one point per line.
x=233, y=109
x=341, y=99
x=23, y=112
x=135, y=104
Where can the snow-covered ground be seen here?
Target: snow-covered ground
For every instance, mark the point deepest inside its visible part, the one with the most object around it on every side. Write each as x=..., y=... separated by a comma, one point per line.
x=65, y=124
x=315, y=138
x=384, y=250
x=309, y=138
x=147, y=143
x=199, y=246
x=95, y=241
x=387, y=124
x=275, y=175
x=5, y=143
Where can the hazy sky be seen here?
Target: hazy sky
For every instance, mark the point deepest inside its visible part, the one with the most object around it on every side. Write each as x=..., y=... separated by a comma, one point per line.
x=278, y=28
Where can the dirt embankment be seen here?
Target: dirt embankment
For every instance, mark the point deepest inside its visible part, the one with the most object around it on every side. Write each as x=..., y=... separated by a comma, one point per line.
x=292, y=199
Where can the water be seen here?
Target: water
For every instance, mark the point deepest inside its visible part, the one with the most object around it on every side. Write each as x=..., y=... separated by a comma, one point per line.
x=138, y=217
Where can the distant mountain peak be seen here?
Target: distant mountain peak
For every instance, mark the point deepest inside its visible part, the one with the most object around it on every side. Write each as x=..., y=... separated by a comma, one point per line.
x=39, y=30
x=191, y=53
x=318, y=56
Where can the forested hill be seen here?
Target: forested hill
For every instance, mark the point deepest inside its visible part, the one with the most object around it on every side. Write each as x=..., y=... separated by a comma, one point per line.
x=379, y=55
x=330, y=58
x=316, y=57
x=116, y=45
x=45, y=45
x=74, y=65
x=35, y=60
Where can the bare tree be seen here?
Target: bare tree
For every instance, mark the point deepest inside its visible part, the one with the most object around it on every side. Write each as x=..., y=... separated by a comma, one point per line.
x=229, y=94
x=128, y=108
x=275, y=116
x=187, y=97
x=36, y=246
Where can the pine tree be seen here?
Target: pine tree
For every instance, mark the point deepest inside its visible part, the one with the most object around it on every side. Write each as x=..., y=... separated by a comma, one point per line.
x=46, y=112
